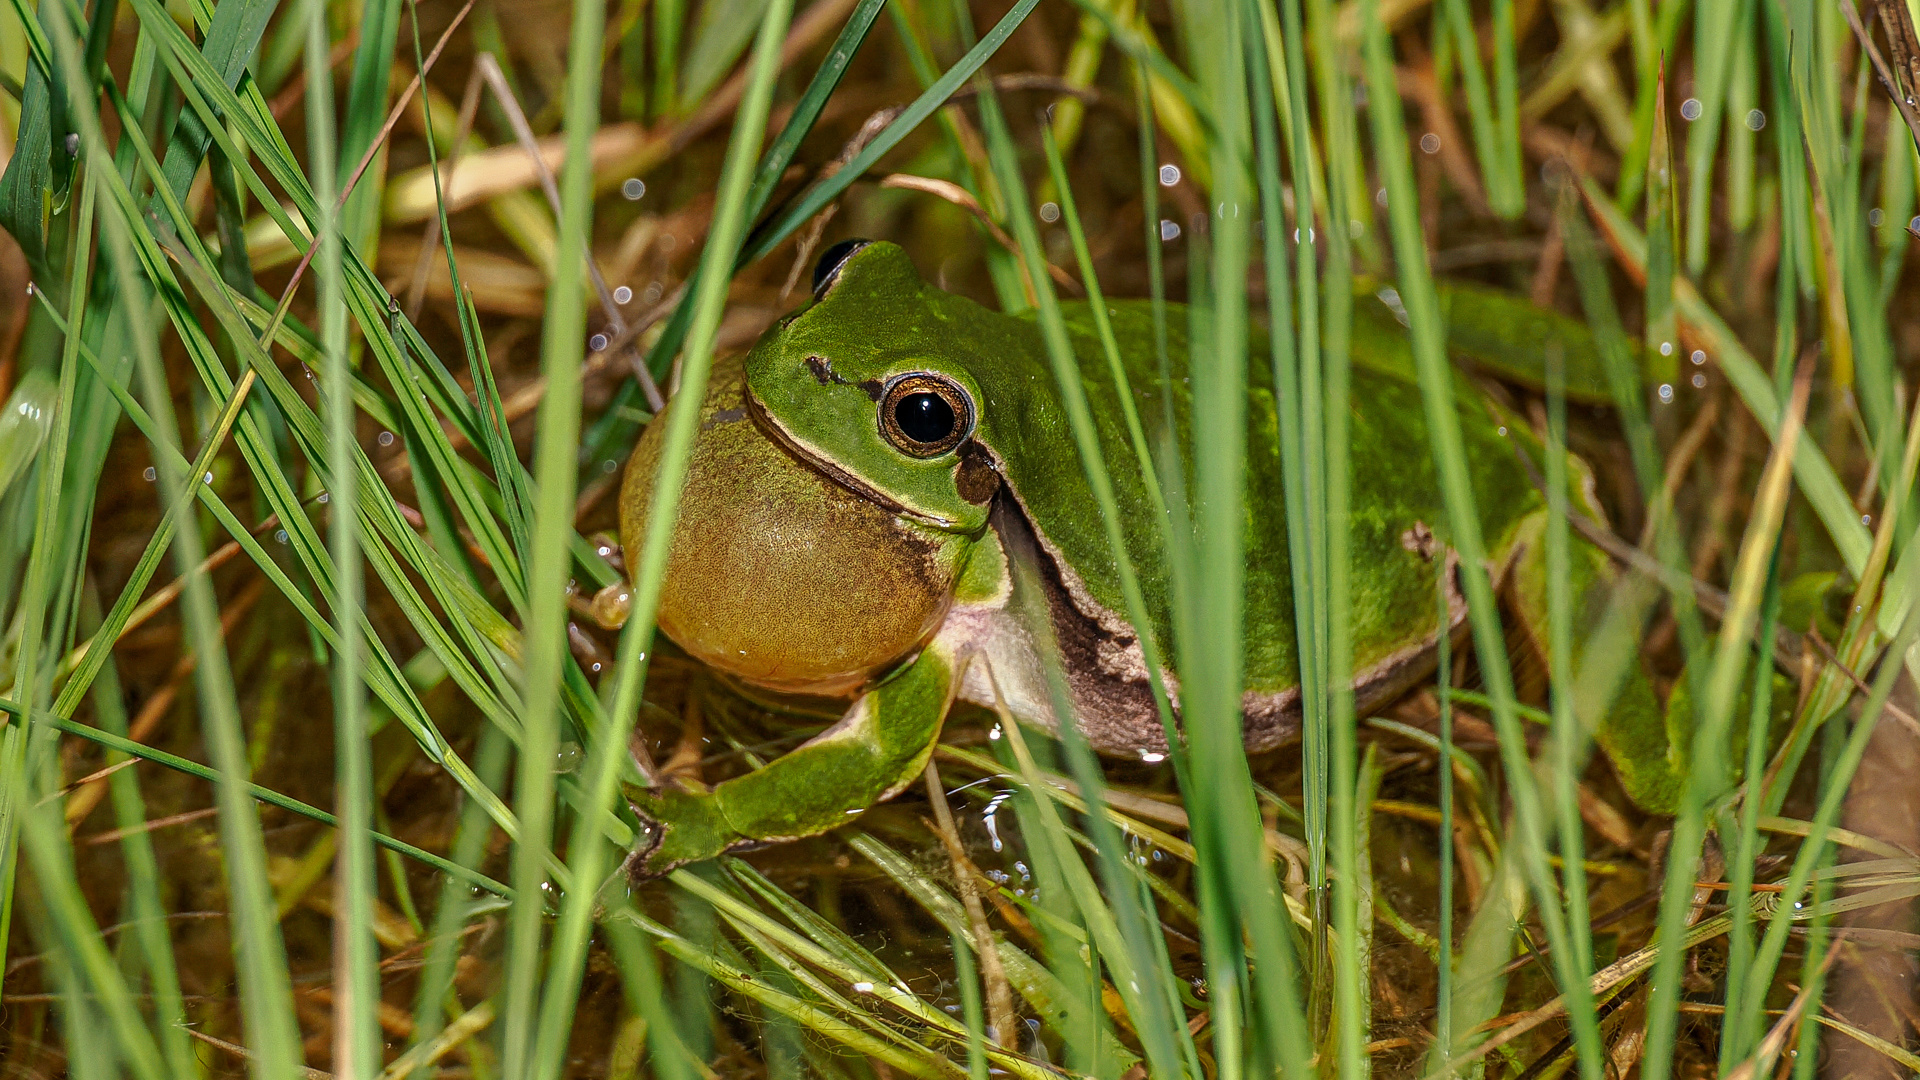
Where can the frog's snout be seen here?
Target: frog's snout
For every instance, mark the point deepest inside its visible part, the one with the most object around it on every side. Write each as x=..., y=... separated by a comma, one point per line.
x=777, y=574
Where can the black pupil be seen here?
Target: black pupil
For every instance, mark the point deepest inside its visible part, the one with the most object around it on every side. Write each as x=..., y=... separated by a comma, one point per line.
x=924, y=417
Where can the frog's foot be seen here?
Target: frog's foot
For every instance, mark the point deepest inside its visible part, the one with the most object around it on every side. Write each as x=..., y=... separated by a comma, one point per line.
x=682, y=827
x=1612, y=693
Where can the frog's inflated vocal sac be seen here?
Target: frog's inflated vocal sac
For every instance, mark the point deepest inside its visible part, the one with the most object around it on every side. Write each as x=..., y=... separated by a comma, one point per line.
x=864, y=485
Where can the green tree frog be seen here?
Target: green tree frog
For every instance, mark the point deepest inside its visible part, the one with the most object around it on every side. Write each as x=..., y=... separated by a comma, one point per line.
x=863, y=480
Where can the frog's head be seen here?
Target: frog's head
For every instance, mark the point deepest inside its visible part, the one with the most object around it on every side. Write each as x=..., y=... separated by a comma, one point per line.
x=870, y=384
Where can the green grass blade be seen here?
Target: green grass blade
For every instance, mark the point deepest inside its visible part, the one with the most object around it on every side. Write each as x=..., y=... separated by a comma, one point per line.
x=1743, y=94
x=1346, y=204
x=366, y=109
x=640, y=975
x=1491, y=132
x=1740, y=1032
x=557, y=438
x=251, y=790
x=455, y=905
x=266, y=994
x=146, y=908
x=613, y=429
x=1814, y=475
x=1570, y=738
x=17, y=747
x=1662, y=331
x=1443, y=1032
x=1443, y=423
x=609, y=752
x=78, y=937
x=1652, y=42
x=923, y=106
x=1713, y=69
x=1226, y=823
x=1833, y=790
x=1709, y=773
x=356, y=1030
x=1296, y=355
x=669, y=21
x=1079, y=415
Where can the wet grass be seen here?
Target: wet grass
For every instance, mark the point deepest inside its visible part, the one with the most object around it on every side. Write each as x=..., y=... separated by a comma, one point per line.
x=319, y=398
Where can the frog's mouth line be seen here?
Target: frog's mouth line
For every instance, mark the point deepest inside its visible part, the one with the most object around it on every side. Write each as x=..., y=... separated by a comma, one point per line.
x=811, y=457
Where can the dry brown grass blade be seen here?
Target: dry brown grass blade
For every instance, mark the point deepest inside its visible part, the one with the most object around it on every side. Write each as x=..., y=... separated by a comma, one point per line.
x=430, y=240
x=617, y=151
x=495, y=282
x=1903, y=78
x=1783, y=1029
x=966, y=877
x=962, y=198
x=373, y=150
x=86, y=793
x=466, y=1026
x=245, y=1054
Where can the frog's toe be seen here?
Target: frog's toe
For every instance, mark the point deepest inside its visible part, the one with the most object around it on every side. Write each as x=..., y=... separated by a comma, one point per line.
x=681, y=827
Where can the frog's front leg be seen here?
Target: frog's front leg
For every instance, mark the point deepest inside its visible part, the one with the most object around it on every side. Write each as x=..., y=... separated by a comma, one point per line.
x=879, y=747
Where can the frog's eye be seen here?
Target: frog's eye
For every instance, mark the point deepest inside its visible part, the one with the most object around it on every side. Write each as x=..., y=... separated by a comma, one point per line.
x=925, y=415
x=831, y=260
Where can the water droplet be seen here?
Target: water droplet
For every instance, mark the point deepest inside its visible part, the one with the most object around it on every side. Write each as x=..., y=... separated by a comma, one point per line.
x=1875, y=216
x=1666, y=348
x=73, y=144
x=597, y=342
x=652, y=295
x=1690, y=109
x=1169, y=230
x=1502, y=429
x=622, y=294
x=633, y=188
x=1150, y=757
x=1169, y=175
x=609, y=465
x=991, y=819
x=323, y=498
x=207, y=479
x=1756, y=120
x=1866, y=519
x=1699, y=381
x=1666, y=392
x=863, y=988
x=150, y=474
x=385, y=438
x=1430, y=143
x=280, y=535
x=1380, y=198
x=1049, y=212
x=1698, y=357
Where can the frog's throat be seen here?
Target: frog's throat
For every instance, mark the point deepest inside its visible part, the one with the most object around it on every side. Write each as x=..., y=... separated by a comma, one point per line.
x=812, y=457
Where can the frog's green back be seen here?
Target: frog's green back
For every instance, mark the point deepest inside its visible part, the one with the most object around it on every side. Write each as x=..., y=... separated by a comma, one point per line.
x=1395, y=495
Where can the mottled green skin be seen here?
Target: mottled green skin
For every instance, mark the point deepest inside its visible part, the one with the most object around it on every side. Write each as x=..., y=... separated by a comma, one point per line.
x=812, y=386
